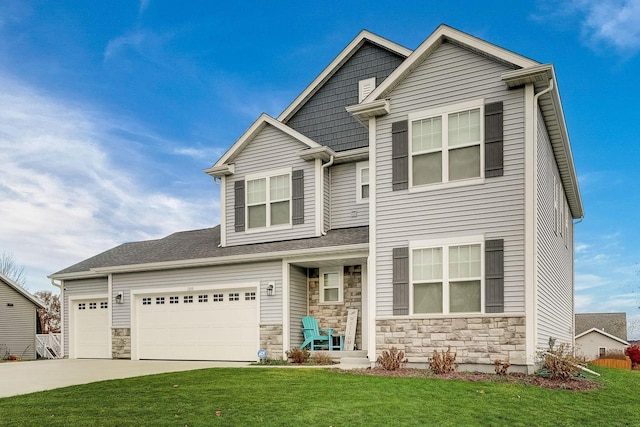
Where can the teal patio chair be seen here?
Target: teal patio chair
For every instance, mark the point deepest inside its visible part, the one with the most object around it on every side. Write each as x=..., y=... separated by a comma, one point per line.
x=313, y=335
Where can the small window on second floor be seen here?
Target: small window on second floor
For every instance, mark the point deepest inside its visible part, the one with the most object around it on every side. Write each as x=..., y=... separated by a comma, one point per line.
x=362, y=182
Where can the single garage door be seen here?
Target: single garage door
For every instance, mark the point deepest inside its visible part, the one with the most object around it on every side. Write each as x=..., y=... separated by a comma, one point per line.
x=213, y=325
x=91, y=328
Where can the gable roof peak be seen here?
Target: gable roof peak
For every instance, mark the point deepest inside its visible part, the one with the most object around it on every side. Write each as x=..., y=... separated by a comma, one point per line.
x=251, y=133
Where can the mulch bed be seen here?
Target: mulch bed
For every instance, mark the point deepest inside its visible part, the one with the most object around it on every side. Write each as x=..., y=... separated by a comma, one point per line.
x=576, y=384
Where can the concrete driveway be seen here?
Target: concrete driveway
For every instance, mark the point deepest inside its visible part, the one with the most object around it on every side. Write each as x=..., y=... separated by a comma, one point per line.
x=28, y=377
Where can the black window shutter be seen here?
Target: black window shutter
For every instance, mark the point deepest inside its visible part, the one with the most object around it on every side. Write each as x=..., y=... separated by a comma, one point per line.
x=493, y=137
x=400, y=155
x=297, y=196
x=239, y=205
x=494, y=272
x=400, y=281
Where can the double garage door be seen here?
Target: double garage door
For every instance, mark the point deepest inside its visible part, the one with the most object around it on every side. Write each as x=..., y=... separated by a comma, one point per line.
x=213, y=325
x=199, y=325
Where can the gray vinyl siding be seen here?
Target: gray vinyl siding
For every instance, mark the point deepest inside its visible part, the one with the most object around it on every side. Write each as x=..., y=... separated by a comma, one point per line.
x=271, y=150
x=97, y=286
x=554, y=260
x=327, y=200
x=17, y=324
x=495, y=208
x=323, y=117
x=232, y=275
x=297, y=303
x=345, y=212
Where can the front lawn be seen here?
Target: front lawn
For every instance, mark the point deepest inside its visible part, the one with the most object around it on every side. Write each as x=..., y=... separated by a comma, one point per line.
x=298, y=397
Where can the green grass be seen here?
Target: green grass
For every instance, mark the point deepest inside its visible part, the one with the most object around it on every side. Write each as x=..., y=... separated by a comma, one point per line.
x=299, y=397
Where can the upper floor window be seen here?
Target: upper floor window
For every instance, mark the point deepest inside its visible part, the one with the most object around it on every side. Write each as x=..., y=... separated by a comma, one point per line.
x=445, y=145
x=269, y=199
x=447, y=278
x=362, y=182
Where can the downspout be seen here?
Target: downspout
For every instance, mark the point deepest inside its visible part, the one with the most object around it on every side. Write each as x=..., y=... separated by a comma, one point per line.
x=326, y=165
x=534, y=283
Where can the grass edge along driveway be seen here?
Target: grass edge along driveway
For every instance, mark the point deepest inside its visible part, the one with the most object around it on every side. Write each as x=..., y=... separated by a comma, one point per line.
x=228, y=396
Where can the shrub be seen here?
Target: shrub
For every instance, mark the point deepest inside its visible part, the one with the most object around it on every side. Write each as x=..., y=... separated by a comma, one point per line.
x=444, y=362
x=298, y=355
x=392, y=359
x=633, y=352
x=560, y=363
x=501, y=367
x=322, y=358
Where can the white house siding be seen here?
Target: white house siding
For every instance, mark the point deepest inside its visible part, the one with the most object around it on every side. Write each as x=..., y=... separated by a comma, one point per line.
x=72, y=288
x=554, y=261
x=496, y=208
x=297, y=303
x=344, y=210
x=232, y=275
x=589, y=345
x=271, y=150
x=17, y=324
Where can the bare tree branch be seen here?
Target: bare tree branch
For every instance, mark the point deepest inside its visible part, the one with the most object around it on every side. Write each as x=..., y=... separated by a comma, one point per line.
x=11, y=269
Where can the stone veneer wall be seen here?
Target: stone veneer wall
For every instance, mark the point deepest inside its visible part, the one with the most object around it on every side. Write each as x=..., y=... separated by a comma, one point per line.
x=476, y=340
x=335, y=315
x=121, y=343
x=271, y=341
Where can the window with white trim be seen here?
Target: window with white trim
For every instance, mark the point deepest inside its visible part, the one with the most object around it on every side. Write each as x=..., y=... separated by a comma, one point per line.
x=447, y=278
x=159, y=300
x=92, y=306
x=446, y=145
x=174, y=300
x=187, y=299
x=362, y=182
x=203, y=298
x=602, y=351
x=218, y=297
x=268, y=200
x=331, y=285
x=146, y=301
x=234, y=296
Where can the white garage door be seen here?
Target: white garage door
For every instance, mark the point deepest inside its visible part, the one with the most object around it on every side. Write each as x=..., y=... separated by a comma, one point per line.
x=213, y=325
x=91, y=329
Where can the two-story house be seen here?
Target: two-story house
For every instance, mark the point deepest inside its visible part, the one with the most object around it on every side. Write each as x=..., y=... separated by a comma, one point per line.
x=432, y=190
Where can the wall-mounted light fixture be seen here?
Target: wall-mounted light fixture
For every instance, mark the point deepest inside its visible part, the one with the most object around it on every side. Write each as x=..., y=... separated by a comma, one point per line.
x=119, y=298
x=271, y=288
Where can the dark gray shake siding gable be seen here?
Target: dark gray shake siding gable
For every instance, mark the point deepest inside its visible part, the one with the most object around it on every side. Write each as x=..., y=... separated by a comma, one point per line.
x=323, y=118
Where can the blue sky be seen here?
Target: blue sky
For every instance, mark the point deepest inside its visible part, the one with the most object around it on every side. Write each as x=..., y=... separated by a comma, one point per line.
x=109, y=111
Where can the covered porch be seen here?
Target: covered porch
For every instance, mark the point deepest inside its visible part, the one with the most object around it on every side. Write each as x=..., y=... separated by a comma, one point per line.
x=327, y=288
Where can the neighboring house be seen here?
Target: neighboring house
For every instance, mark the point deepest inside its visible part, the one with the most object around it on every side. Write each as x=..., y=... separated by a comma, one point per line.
x=433, y=190
x=18, y=320
x=600, y=333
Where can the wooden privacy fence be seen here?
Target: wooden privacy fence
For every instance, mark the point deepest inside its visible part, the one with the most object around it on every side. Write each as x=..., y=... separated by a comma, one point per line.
x=613, y=363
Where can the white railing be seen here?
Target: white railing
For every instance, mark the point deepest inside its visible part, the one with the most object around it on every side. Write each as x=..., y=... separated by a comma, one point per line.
x=49, y=346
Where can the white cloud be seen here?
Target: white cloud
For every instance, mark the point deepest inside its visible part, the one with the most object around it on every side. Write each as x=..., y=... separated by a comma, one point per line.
x=207, y=154
x=144, y=4
x=612, y=23
x=68, y=191
x=588, y=281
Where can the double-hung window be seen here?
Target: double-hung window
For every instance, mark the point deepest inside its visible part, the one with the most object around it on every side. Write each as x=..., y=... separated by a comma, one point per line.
x=447, y=277
x=269, y=200
x=446, y=145
x=362, y=182
x=331, y=285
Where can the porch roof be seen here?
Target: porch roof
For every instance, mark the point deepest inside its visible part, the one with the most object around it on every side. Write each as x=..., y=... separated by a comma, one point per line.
x=200, y=245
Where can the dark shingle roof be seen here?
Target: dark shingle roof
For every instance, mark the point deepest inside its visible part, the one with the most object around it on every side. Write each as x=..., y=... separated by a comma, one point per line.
x=612, y=323
x=196, y=244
